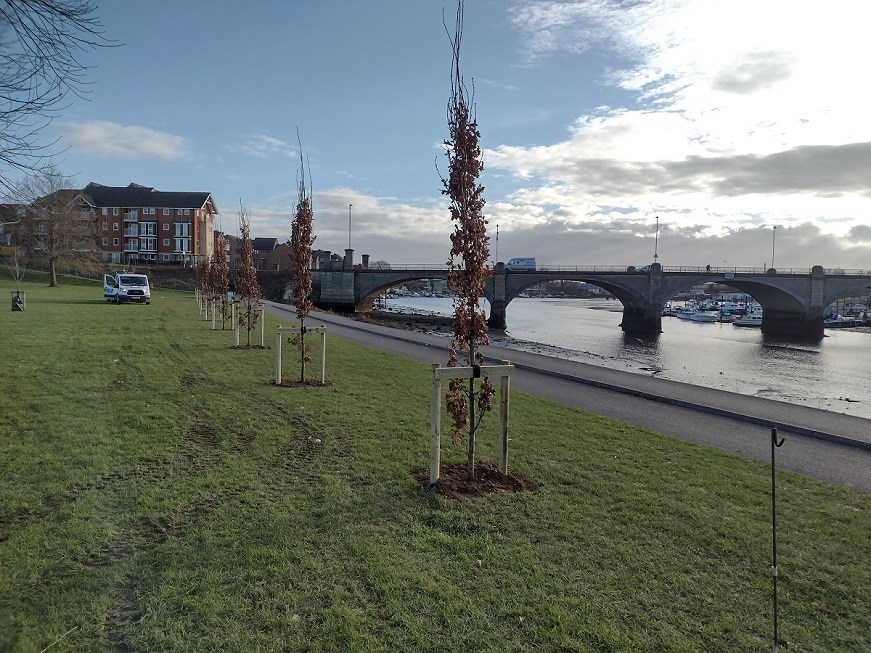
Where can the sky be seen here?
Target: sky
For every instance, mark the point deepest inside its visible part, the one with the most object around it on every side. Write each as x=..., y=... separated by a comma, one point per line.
x=721, y=119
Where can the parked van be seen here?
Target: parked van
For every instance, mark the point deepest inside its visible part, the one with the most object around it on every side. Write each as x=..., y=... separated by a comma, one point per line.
x=122, y=287
x=522, y=263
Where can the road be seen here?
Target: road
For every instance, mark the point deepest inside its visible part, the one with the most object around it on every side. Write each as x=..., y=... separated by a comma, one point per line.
x=828, y=446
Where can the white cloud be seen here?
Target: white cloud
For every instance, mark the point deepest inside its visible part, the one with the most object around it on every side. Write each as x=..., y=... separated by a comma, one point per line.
x=263, y=145
x=747, y=114
x=124, y=141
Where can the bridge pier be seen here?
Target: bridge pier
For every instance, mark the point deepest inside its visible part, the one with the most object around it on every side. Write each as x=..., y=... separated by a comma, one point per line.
x=791, y=324
x=638, y=320
x=497, y=315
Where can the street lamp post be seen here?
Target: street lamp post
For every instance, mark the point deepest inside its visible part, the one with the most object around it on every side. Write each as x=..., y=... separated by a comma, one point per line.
x=349, y=225
x=773, y=235
x=656, y=242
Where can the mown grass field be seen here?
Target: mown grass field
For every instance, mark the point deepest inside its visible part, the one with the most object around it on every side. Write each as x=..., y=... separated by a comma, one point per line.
x=158, y=494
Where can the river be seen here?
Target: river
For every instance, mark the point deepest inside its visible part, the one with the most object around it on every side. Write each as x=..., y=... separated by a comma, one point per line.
x=832, y=374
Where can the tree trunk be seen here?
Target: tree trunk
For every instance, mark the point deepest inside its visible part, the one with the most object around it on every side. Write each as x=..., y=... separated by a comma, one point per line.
x=302, y=351
x=52, y=283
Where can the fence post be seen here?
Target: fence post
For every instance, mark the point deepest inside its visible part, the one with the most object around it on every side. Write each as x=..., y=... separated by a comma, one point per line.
x=323, y=353
x=278, y=355
x=435, y=427
x=503, y=414
x=262, y=327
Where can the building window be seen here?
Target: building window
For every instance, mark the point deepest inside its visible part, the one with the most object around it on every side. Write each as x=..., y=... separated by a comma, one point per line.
x=148, y=244
x=147, y=228
x=166, y=226
x=165, y=256
x=105, y=226
x=115, y=211
x=187, y=211
x=166, y=242
x=105, y=211
x=114, y=226
x=183, y=245
x=115, y=242
x=148, y=211
x=182, y=229
x=105, y=241
x=165, y=211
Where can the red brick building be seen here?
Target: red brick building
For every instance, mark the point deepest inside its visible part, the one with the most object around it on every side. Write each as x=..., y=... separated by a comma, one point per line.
x=138, y=224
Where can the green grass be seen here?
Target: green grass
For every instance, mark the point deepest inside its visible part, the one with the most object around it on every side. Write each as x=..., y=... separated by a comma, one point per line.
x=158, y=494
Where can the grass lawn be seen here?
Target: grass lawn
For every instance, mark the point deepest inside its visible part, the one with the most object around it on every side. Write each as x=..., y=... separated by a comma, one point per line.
x=158, y=494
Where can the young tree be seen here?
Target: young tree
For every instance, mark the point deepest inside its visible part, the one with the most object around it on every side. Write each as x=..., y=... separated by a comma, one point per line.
x=301, y=240
x=469, y=253
x=55, y=229
x=201, y=277
x=220, y=276
x=40, y=45
x=247, y=289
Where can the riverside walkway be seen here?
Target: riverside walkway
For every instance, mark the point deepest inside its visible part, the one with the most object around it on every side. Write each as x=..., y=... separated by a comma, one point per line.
x=830, y=446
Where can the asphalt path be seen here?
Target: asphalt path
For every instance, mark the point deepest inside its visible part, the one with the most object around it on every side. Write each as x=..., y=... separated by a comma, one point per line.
x=828, y=446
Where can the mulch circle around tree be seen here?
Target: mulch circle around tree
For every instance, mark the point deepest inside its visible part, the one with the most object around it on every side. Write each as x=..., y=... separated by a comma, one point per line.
x=250, y=347
x=454, y=483
x=299, y=384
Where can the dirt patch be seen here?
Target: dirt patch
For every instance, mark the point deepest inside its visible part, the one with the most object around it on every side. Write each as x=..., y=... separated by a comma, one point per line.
x=298, y=384
x=455, y=484
x=250, y=347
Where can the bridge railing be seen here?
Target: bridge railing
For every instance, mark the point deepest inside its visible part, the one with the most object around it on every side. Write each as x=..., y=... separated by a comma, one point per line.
x=694, y=269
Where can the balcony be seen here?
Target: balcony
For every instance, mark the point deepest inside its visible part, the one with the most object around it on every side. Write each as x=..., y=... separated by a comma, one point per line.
x=131, y=231
x=131, y=216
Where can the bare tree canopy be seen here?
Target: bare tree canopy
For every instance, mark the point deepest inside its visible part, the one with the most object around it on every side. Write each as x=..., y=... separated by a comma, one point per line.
x=56, y=229
x=41, y=42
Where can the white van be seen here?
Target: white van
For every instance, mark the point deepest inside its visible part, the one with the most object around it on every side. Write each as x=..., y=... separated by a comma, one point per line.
x=526, y=263
x=122, y=287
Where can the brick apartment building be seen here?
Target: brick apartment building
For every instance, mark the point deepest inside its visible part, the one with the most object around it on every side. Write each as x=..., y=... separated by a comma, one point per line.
x=138, y=224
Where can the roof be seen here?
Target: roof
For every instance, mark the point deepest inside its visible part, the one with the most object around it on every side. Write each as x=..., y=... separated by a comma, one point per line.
x=267, y=244
x=135, y=196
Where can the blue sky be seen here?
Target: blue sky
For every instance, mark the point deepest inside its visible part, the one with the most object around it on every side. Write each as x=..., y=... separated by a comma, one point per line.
x=723, y=119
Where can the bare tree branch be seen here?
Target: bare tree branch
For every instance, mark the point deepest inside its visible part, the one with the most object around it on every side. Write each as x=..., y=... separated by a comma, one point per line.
x=41, y=43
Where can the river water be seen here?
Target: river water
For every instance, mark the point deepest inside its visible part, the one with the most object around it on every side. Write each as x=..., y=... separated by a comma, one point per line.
x=832, y=374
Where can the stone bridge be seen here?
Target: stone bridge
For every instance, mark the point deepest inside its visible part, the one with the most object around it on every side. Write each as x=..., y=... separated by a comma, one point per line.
x=793, y=301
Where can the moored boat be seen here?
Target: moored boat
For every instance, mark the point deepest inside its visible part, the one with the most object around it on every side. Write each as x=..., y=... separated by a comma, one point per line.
x=694, y=315
x=753, y=319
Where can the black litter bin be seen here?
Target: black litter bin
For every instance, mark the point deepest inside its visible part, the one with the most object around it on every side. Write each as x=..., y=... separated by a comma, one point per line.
x=17, y=301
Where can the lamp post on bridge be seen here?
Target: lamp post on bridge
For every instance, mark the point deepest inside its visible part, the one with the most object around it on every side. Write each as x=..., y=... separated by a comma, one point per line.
x=773, y=235
x=656, y=242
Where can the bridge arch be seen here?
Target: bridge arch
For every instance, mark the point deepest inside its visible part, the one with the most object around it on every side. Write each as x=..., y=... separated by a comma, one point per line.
x=767, y=295
x=633, y=299
x=369, y=288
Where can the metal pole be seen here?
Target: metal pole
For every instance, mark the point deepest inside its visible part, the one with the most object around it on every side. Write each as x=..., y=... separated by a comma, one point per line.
x=349, y=225
x=774, y=444
x=656, y=242
x=773, y=234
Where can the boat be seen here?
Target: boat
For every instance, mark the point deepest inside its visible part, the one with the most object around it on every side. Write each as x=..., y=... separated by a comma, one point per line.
x=753, y=319
x=692, y=314
x=841, y=322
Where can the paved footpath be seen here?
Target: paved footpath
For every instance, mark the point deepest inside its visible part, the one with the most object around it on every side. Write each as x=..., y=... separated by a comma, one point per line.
x=822, y=444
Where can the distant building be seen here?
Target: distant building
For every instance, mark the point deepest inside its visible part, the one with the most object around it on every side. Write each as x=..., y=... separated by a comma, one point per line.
x=263, y=247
